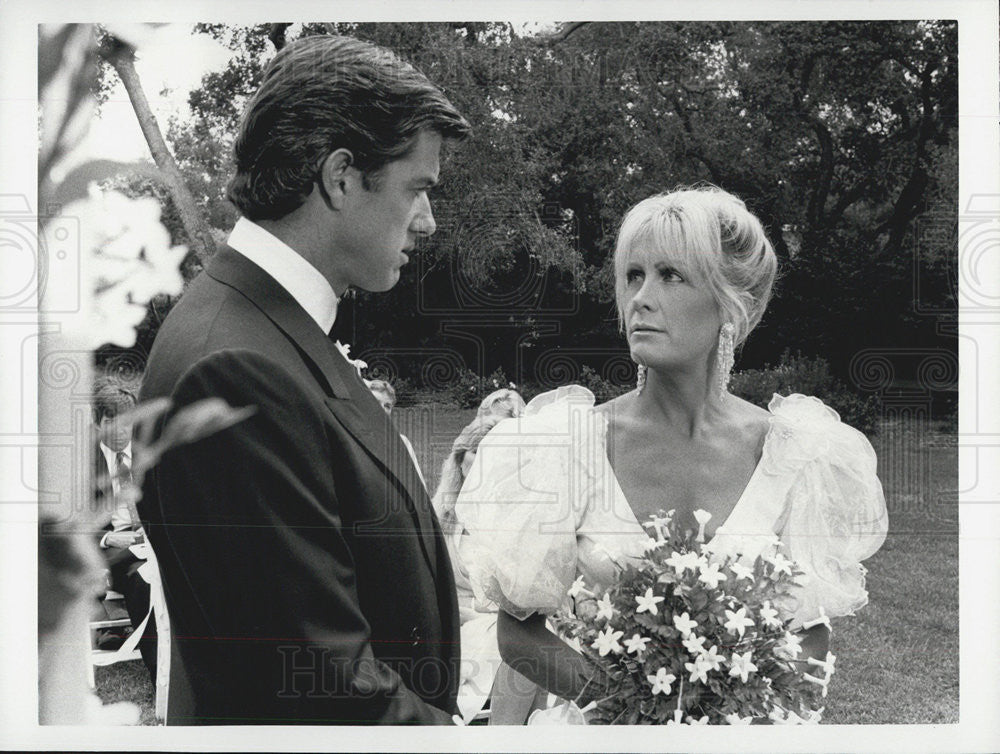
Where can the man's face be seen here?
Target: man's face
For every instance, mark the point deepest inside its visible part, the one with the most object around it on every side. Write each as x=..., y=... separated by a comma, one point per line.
x=380, y=226
x=384, y=401
x=116, y=431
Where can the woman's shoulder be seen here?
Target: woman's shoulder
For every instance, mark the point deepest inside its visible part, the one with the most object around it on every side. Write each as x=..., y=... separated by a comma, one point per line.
x=550, y=420
x=803, y=429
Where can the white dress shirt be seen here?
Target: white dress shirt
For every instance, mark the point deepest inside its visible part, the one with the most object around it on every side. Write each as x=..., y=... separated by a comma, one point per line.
x=121, y=516
x=304, y=282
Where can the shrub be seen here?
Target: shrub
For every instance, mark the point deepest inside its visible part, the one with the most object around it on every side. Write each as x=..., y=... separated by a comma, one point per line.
x=809, y=376
x=603, y=390
x=469, y=389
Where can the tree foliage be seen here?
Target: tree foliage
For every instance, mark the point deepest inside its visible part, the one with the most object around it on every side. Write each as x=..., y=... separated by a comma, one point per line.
x=841, y=136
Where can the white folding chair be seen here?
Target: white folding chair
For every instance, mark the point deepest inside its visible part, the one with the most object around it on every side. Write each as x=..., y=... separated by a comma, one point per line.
x=129, y=649
x=109, y=656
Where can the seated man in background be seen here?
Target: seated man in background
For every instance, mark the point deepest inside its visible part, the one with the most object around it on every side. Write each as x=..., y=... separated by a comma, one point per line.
x=112, y=406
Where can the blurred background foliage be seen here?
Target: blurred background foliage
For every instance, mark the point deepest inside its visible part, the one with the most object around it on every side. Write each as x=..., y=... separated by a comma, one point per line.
x=841, y=136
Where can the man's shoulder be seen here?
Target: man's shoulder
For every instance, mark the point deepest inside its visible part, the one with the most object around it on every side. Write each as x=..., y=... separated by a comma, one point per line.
x=210, y=317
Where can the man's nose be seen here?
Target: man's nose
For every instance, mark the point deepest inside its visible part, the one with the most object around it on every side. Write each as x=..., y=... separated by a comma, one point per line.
x=423, y=223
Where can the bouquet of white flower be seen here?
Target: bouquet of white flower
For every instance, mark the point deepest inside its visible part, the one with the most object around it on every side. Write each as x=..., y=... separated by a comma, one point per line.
x=688, y=636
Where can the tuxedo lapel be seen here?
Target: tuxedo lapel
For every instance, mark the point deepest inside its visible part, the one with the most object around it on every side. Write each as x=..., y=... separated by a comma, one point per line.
x=232, y=268
x=348, y=397
x=363, y=417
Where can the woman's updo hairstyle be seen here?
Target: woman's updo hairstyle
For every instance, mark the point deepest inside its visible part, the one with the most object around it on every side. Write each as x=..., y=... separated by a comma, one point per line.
x=710, y=237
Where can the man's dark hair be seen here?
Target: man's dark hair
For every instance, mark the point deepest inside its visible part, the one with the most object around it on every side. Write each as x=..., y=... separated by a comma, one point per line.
x=324, y=93
x=111, y=399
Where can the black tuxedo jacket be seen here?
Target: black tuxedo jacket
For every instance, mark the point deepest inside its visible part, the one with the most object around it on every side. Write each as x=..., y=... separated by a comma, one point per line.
x=305, y=573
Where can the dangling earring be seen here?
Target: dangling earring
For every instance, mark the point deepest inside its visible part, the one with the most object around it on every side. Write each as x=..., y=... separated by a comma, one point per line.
x=724, y=357
x=640, y=378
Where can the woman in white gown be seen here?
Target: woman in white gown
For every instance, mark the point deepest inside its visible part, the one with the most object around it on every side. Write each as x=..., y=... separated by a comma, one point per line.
x=562, y=492
x=480, y=656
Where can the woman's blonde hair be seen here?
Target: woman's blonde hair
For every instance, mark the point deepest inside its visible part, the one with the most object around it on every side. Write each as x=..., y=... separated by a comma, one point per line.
x=452, y=479
x=505, y=402
x=710, y=237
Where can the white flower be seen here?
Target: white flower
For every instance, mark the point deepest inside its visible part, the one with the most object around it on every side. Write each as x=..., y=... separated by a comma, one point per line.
x=694, y=644
x=769, y=615
x=790, y=648
x=737, y=622
x=711, y=659
x=698, y=671
x=658, y=523
x=742, y=666
x=345, y=350
x=823, y=683
x=605, y=609
x=826, y=664
x=661, y=681
x=648, y=546
x=734, y=719
x=702, y=517
x=822, y=618
x=677, y=719
x=637, y=644
x=703, y=720
x=814, y=717
x=790, y=718
x=607, y=641
x=711, y=575
x=125, y=260
x=647, y=602
x=681, y=563
x=781, y=563
x=577, y=588
x=741, y=571
x=684, y=624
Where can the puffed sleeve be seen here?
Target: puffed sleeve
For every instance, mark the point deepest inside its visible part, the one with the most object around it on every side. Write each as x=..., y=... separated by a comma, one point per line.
x=835, y=514
x=523, y=501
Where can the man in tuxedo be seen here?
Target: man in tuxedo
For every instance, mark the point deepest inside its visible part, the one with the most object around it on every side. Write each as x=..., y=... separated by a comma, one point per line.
x=304, y=570
x=113, y=481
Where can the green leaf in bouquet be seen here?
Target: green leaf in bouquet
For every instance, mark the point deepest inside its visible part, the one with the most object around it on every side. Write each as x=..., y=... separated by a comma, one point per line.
x=698, y=600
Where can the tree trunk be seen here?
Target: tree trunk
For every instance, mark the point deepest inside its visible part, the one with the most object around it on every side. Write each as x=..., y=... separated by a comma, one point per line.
x=122, y=59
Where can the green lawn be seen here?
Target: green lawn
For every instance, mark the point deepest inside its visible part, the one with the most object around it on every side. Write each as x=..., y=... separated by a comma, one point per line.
x=897, y=660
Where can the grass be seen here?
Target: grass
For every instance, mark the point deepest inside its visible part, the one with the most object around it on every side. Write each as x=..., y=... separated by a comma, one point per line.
x=897, y=660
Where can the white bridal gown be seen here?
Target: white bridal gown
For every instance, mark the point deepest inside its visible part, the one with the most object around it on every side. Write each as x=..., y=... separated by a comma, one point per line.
x=541, y=506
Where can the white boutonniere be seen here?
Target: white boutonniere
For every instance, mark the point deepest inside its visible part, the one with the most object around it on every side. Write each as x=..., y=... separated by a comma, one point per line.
x=345, y=350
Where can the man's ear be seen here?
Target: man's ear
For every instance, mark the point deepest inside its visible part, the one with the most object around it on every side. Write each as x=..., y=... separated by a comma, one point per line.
x=335, y=176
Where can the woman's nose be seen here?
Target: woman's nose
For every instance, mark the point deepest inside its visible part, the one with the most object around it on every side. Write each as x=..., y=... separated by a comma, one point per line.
x=643, y=297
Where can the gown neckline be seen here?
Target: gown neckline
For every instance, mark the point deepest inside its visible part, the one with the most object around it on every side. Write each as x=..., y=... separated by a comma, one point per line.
x=743, y=495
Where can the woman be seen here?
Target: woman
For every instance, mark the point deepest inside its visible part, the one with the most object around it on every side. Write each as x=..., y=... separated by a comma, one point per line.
x=505, y=403
x=694, y=272
x=478, y=629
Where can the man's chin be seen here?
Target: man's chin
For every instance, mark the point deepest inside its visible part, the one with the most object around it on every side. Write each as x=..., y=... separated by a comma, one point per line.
x=381, y=286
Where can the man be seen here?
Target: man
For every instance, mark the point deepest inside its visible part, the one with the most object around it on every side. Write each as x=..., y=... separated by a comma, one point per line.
x=304, y=570
x=113, y=476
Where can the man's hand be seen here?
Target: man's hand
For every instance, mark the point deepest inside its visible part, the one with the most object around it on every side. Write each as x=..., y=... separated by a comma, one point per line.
x=122, y=539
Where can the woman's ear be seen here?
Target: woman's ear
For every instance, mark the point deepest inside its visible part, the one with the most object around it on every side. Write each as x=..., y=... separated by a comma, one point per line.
x=335, y=175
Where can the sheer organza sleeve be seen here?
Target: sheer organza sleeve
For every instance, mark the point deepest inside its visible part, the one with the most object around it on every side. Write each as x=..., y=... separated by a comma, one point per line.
x=523, y=502
x=835, y=514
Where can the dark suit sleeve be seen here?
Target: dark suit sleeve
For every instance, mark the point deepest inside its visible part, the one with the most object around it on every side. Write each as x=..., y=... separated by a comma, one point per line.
x=260, y=565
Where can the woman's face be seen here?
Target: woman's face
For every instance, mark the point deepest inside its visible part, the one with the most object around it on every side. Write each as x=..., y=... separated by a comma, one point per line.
x=672, y=323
